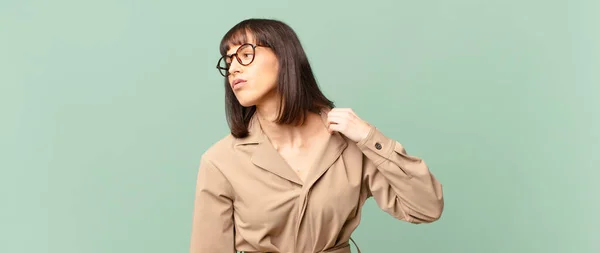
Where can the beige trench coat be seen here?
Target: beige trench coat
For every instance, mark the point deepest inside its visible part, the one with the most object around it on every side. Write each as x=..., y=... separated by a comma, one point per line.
x=249, y=199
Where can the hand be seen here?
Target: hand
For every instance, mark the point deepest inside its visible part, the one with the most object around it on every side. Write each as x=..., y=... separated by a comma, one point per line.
x=346, y=122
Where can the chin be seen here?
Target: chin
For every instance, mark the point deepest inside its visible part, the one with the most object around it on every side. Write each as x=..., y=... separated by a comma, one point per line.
x=246, y=102
x=248, y=98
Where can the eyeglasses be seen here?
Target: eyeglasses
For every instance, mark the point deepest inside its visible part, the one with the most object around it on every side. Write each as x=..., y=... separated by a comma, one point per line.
x=244, y=55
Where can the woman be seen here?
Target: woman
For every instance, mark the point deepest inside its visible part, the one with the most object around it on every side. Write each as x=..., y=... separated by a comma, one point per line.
x=294, y=173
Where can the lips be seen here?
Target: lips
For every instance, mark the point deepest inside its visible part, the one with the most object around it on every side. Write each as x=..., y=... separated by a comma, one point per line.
x=237, y=82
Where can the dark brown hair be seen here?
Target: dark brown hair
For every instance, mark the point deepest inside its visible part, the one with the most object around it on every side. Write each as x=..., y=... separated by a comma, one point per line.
x=295, y=82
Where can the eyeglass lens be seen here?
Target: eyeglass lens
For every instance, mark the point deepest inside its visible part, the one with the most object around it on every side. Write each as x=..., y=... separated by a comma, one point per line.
x=244, y=55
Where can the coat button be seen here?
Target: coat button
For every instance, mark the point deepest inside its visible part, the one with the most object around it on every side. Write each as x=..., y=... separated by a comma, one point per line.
x=377, y=145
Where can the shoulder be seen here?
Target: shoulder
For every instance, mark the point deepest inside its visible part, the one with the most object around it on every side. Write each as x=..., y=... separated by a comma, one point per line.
x=219, y=150
x=225, y=158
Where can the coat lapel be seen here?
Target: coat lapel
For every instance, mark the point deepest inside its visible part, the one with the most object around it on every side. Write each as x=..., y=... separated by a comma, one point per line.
x=266, y=157
x=264, y=154
x=330, y=153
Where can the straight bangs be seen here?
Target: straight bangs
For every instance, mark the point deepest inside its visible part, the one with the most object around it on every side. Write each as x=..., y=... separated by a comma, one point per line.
x=243, y=33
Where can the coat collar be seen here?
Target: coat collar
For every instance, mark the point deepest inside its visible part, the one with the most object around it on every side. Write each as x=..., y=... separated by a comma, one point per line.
x=265, y=156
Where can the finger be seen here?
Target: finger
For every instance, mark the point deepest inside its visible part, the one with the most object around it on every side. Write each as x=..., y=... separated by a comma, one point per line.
x=342, y=113
x=341, y=108
x=338, y=126
x=343, y=119
x=347, y=110
x=336, y=120
x=334, y=127
x=339, y=116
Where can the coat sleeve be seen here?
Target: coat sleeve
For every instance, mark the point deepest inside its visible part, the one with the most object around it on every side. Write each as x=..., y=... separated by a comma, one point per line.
x=402, y=185
x=212, y=225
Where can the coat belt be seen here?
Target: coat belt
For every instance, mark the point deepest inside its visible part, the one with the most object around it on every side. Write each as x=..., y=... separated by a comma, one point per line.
x=344, y=248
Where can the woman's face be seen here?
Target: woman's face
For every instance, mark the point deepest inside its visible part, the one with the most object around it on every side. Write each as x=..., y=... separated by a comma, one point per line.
x=256, y=83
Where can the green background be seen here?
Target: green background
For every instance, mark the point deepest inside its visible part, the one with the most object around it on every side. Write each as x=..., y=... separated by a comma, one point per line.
x=106, y=107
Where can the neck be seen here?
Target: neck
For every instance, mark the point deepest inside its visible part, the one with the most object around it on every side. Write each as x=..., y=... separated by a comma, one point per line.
x=289, y=136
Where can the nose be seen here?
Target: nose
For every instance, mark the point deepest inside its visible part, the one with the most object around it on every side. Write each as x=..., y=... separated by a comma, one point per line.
x=235, y=66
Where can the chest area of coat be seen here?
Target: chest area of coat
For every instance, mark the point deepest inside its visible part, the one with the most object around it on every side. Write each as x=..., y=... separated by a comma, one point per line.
x=264, y=198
